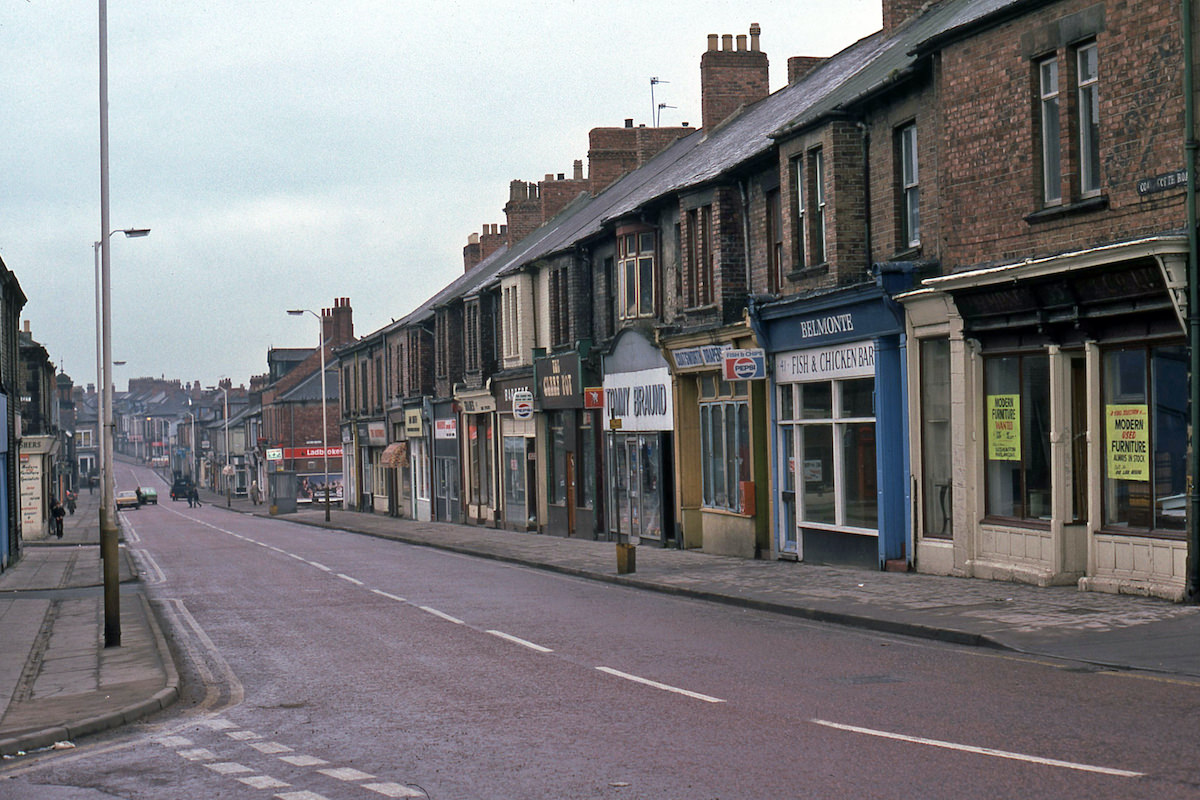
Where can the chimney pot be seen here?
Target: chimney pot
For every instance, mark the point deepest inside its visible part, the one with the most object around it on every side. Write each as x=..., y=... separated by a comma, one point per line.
x=755, y=32
x=727, y=42
x=578, y=169
x=549, y=177
x=628, y=123
x=712, y=41
x=562, y=177
x=741, y=42
x=473, y=238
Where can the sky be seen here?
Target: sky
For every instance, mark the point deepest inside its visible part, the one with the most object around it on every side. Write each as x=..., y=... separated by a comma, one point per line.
x=284, y=154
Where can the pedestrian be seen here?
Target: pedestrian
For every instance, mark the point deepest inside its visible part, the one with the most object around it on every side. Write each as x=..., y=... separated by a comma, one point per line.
x=189, y=495
x=57, y=512
x=194, y=497
x=255, y=495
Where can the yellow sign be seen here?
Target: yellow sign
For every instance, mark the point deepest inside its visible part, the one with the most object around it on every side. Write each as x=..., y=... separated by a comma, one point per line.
x=1128, y=441
x=1004, y=427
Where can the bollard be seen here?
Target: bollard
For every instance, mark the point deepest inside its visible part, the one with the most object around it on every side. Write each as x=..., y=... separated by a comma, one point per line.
x=626, y=558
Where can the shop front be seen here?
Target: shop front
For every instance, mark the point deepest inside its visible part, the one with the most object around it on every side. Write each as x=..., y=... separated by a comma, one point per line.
x=569, y=434
x=1072, y=376
x=839, y=428
x=719, y=420
x=638, y=447
x=416, y=429
x=447, y=504
x=518, y=451
x=397, y=473
x=372, y=439
x=479, y=457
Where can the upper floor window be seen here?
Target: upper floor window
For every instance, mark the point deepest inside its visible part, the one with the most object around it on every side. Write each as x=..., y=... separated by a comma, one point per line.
x=510, y=321
x=910, y=187
x=635, y=272
x=471, y=311
x=801, y=219
x=560, y=307
x=1088, y=81
x=774, y=240
x=817, y=175
x=1051, y=133
x=442, y=357
x=700, y=257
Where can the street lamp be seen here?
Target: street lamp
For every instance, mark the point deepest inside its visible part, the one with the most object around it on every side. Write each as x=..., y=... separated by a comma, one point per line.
x=298, y=312
x=226, y=473
x=108, y=529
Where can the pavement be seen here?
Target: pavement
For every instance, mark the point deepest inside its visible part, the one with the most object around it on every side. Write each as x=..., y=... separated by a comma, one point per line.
x=59, y=682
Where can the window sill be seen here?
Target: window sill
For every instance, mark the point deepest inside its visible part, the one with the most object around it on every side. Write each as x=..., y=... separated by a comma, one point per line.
x=704, y=309
x=725, y=512
x=1145, y=533
x=907, y=254
x=1016, y=522
x=1086, y=206
x=808, y=272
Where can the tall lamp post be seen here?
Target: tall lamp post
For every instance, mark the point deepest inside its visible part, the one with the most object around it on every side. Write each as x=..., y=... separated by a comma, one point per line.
x=297, y=312
x=226, y=472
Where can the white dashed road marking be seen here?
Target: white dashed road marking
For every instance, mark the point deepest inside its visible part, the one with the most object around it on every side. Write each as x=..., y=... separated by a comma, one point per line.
x=665, y=687
x=392, y=790
x=304, y=761
x=300, y=796
x=983, y=751
x=264, y=782
x=441, y=614
x=346, y=774
x=270, y=748
x=355, y=581
x=523, y=642
x=228, y=768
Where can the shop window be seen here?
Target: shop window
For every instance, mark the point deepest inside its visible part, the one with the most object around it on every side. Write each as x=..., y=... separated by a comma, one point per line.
x=479, y=448
x=635, y=500
x=937, y=500
x=1017, y=425
x=724, y=453
x=831, y=425
x=636, y=273
x=556, y=464
x=1145, y=438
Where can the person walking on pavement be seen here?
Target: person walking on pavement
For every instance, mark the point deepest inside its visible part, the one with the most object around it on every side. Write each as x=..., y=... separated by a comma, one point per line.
x=194, y=497
x=57, y=512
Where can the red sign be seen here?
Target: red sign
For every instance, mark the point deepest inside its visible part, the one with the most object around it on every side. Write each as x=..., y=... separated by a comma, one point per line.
x=593, y=397
x=335, y=451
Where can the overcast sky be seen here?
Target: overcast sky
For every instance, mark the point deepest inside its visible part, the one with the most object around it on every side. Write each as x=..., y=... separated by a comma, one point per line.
x=287, y=153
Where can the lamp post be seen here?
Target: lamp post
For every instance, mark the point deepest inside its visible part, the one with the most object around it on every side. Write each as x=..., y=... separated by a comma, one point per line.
x=296, y=312
x=225, y=472
x=108, y=529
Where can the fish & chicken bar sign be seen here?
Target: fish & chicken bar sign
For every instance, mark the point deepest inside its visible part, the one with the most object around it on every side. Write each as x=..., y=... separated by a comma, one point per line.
x=854, y=360
x=640, y=401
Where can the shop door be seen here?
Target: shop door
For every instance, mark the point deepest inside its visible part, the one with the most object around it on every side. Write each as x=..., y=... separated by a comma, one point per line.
x=570, y=494
x=637, y=497
x=446, y=489
x=516, y=509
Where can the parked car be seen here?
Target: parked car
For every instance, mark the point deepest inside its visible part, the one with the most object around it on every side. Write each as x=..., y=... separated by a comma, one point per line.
x=180, y=489
x=127, y=499
x=147, y=494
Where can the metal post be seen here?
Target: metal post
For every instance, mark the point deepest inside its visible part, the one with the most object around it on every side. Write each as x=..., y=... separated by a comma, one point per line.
x=1192, y=583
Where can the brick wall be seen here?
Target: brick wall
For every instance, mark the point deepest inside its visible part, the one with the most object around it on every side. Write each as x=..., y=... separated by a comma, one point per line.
x=989, y=154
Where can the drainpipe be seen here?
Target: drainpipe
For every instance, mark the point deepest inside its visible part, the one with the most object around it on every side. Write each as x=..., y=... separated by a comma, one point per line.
x=1192, y=587
x=866, y=162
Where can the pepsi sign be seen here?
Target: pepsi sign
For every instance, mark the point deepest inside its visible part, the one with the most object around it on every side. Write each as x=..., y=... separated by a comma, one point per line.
x=745, y=365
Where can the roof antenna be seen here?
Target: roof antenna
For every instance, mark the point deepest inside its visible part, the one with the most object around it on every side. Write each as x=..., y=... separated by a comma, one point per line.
x=654, y=109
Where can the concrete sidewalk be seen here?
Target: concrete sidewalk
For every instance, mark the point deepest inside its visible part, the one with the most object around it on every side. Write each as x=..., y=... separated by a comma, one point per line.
x=57, y=680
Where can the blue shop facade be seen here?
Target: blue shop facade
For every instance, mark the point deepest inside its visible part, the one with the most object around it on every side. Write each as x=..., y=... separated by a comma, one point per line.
x=839, y=441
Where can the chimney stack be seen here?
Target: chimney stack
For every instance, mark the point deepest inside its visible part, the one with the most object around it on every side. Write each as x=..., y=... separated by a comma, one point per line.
x=471, y=253
x=897, y=12
x=730, y=79
x=800, y=66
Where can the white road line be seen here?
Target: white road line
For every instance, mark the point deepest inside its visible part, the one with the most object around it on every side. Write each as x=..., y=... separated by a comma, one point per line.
x=389, y=596
x=243, y=736
x=298, y=558
x=305, y=795
x=217, y=724
x=175, y=741
x=304, y=761
x=228, y=768
x=263, y=782
x=355, y=581
x=665, y=687
x=346, y=774
x=270, y=748
x=444, y=616
x=197, y=754
x=520, y=641
x=983, y=751
x=319, y=566
x=392, y=790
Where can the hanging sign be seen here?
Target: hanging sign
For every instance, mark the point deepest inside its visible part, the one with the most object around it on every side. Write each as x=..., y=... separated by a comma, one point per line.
x=1128, y=441
x=1004, y=427
x=745, y=365
x=522, y=404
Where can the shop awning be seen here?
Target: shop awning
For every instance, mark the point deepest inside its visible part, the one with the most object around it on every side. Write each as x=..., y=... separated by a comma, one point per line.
x=394, y=455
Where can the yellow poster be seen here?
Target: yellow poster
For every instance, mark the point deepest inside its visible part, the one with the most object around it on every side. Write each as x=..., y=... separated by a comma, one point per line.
x=1128, y=441
x=1004, y=427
